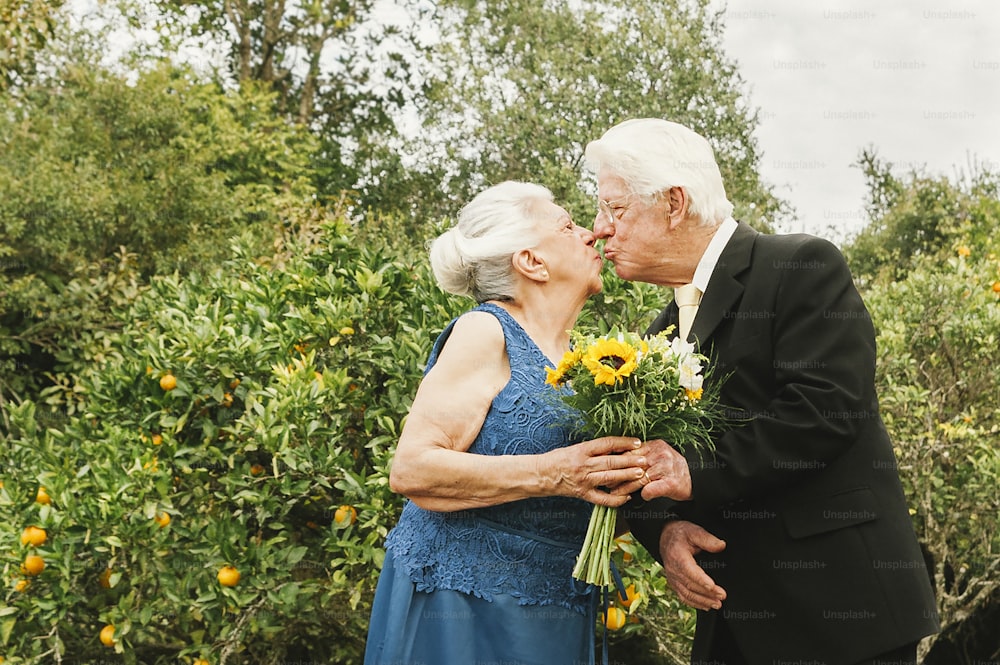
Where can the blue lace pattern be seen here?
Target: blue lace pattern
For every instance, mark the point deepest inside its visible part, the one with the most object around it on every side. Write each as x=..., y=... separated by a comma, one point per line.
x=527, y=548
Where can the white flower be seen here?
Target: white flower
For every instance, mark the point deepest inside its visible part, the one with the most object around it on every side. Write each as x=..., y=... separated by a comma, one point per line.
x=689, y=370
x=660, y=345
x=681, y=348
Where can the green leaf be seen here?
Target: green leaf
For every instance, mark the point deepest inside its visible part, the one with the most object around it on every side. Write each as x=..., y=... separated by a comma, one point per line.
x=6, y=628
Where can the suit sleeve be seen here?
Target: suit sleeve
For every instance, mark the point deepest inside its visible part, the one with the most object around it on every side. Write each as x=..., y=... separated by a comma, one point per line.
x=812, y=394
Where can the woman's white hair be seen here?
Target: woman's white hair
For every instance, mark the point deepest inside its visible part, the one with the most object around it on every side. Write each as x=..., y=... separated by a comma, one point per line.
x=652, y=155
x=473, y=258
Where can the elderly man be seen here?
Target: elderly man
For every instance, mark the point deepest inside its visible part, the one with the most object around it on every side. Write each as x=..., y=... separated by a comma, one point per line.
x=793, y=540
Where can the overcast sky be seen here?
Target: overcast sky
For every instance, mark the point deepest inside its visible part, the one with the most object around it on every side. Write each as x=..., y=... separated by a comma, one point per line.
x=919, y=81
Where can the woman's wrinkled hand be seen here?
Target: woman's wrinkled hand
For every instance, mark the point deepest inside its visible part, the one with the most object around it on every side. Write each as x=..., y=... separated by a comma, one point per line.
x=590, y=469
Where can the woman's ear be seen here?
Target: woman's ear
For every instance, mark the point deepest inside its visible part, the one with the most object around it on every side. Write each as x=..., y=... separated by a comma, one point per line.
x=677, y=206
x=529, y=264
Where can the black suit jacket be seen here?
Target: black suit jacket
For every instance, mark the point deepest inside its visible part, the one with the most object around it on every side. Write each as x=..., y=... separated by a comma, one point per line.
x=821, y=563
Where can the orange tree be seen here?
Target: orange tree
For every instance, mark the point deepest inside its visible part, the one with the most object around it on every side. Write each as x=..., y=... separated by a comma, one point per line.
x=290, y=379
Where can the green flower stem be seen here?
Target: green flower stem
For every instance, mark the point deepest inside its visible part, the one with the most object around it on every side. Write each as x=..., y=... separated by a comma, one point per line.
x=581, y=558
x=593, y=565
x=599, y=515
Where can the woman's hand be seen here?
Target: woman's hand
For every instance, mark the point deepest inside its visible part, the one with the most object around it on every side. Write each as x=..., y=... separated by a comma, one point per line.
x=586, y=470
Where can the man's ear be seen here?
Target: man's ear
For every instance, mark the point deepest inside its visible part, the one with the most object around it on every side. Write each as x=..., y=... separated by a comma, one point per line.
x=530, y=264
x=677, y=206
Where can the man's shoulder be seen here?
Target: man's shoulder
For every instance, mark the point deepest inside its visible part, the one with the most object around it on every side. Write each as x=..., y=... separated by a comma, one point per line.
x=796, y=244
x=791, y=240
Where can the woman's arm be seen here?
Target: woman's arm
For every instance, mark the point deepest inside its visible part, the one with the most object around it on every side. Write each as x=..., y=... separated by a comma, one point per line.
x=433, y=467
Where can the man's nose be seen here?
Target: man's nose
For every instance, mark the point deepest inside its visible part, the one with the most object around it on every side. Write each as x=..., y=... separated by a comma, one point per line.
x=602, y=227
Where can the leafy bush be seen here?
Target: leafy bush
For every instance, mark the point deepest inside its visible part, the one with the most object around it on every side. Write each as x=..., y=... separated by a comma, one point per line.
x=929, y=266
x=938, y=395
x=917, y=218
x=98, y=171
x=290, y=382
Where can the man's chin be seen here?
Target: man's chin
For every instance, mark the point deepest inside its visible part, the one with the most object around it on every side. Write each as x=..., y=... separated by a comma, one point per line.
x=623, y=272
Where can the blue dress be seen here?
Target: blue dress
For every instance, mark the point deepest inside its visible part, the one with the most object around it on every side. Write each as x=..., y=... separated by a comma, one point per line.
x=491, y=585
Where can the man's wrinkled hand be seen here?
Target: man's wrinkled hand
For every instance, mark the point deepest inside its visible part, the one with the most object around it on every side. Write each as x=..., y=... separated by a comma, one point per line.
x=667, y=474
x=679, y=543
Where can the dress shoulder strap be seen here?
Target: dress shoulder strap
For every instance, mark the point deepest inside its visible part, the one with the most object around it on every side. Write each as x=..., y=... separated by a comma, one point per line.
x=517, y=340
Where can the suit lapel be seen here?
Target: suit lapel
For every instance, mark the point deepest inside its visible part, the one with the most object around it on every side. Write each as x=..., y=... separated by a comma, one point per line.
x=724, y=289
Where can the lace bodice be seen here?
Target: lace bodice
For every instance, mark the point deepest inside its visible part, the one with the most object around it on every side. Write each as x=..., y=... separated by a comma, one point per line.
x=524, y=548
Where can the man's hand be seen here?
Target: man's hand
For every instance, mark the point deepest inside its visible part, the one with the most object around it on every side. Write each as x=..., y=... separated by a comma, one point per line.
x=679, y=542
x=667, y=473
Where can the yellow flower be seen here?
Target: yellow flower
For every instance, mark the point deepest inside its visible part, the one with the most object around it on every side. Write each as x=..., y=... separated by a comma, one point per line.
x=693, y=395
x=964, y=251
x=610, y=361
x=554, y=377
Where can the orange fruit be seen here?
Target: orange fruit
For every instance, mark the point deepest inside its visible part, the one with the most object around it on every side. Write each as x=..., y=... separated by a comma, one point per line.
x=42, y=496
x=228, y=576
x=234, y=384
x=157, y=439
x=631, y=595
x=257, y=469
x=168, y=382
x=163, y=519
x=33, y=565
x=200, y=661
x=345, y=516
x=227, y=400
x=615, y=618
x=33, y=536
x=105, y=578
x=108, y=635
x=21, y=585
x=996, y=287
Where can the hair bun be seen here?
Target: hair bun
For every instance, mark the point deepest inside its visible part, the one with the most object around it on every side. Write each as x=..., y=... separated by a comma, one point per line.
x=453, y=269
x=473, y=258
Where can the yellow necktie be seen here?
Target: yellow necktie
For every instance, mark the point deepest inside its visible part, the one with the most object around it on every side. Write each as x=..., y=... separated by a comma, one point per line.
x=687, y=298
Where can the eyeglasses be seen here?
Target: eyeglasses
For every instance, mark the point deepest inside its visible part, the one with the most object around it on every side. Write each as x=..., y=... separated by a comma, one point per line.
x=609, y=211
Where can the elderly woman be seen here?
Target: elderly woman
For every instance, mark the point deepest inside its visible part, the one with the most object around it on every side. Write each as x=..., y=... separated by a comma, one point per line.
x=479, y=567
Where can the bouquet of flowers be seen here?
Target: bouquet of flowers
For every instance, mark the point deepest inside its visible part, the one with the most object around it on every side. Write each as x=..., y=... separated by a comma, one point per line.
x=624, y=385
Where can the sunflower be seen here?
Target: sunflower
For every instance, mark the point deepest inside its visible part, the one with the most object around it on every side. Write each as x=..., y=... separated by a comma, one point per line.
x=610, y=361
x=554, y=377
